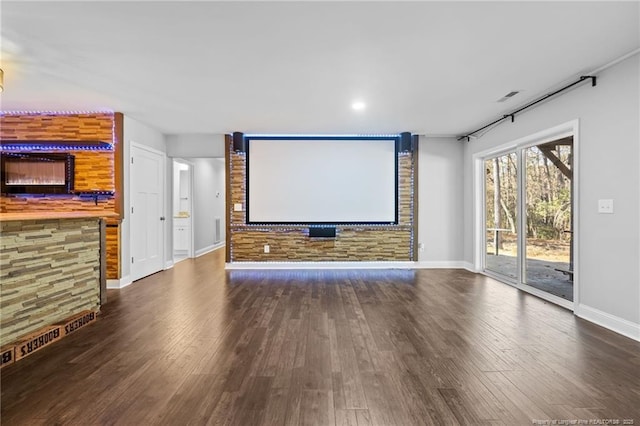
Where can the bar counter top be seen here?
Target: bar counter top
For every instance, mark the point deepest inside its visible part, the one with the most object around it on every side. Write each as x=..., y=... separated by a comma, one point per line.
x=44, y=215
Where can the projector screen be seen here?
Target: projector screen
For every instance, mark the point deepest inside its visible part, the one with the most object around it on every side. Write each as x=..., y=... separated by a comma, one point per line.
x=341, y=180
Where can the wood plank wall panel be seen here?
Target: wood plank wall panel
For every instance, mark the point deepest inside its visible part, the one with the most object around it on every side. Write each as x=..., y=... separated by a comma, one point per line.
x=238, y=187
x=112, y=236
x=362, y=243
x=118, y=162
x=405, y=189
x=71, y=127
x=54, y=204
x=49, y=271
x=94, y=170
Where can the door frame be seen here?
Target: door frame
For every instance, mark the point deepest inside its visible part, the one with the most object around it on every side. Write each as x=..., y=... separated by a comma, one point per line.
x=570, y=128
x=163, y=192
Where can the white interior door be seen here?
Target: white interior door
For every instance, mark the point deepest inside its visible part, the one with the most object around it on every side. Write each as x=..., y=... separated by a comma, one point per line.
x=147, y=212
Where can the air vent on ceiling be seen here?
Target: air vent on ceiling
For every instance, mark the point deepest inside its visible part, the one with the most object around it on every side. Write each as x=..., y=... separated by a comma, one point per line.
x=508, y=96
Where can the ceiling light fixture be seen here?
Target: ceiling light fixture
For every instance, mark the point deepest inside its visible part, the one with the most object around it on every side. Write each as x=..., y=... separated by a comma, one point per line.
x=358, y=105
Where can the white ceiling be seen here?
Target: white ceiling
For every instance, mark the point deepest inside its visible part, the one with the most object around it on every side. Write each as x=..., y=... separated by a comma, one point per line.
x=296, y=67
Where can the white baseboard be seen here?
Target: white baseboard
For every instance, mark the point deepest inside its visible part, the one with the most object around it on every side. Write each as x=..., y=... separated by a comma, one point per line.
x=168, y=264
x=121, y=283
x=443, y=264
x=470, y=267
x=350, y=265
x=320, y=265
x=606, y=320
x=209, y=249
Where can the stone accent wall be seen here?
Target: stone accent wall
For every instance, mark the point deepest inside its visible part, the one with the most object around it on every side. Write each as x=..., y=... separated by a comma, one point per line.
x=94, y=170
x=292, y=243
x=49, y=271
x=351, y=244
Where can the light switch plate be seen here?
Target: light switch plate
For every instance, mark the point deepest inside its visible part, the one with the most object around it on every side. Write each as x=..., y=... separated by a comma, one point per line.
x=237, y=207
x=605, y=206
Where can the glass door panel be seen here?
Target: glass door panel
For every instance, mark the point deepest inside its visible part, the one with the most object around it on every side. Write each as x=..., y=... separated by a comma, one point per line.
x=501, y=198
x=549, y=213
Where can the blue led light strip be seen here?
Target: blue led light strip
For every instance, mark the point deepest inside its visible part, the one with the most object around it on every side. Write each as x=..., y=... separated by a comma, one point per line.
x=303, y=136
x=61, y=147
x=10, y=113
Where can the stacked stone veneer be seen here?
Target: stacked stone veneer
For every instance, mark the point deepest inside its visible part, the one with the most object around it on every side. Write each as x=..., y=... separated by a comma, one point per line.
x=49, y=271
x=292, y=243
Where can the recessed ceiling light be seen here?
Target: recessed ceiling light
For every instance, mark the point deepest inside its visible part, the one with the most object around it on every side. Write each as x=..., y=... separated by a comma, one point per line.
x=358, y=105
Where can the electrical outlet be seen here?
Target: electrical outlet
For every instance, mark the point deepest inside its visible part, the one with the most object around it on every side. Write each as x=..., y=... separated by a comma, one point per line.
x=266, y=248
x=421, y=246
x=605, y=206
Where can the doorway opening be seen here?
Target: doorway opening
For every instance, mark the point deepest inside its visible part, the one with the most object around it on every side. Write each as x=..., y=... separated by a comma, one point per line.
x=182, y=202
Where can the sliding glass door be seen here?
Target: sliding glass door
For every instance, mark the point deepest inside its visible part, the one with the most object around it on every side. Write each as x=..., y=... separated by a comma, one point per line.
x=528, y=217
x=549, y=212
x=501, y=197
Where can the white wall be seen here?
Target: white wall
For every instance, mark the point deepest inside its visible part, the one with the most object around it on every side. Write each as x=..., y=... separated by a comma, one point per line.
x=137, y=132
x=208, y=201
x=440, y=202
x=195, y=145
x=609, y=245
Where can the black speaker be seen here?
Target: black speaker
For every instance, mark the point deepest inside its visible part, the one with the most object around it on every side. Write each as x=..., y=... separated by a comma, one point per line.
x=239, y=144
x=408, y=142
x=322, y=231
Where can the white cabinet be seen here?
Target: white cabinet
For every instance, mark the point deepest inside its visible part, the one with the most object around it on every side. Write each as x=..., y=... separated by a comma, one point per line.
x=181, y=234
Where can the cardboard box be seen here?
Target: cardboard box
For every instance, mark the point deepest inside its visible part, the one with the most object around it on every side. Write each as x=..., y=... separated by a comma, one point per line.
x=7, y=356
x=77, y=321
x=36, y=341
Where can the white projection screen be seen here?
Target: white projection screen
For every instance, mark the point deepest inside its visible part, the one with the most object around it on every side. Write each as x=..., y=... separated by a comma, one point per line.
x=321, y=181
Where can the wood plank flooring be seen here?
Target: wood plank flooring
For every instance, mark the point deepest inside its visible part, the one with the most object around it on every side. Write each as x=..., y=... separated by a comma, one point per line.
x=200, y=345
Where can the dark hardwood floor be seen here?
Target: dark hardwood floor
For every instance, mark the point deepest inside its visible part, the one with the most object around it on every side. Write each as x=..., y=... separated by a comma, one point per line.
x=198, y=345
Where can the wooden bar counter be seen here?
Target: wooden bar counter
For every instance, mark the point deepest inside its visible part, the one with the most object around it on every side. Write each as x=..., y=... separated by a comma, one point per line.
x=52, y=268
